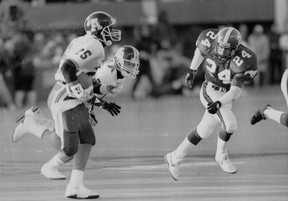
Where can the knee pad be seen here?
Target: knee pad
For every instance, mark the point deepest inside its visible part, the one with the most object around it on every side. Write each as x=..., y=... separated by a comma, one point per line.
x=71, y=120
x=70, y=151
x=71, y=142
x=225, y=136
x=284, y=119
x=194, y=137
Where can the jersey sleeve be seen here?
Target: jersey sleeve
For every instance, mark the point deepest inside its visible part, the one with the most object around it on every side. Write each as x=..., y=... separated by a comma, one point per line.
x=245, y=64
x=205, y=41
x=106, y=74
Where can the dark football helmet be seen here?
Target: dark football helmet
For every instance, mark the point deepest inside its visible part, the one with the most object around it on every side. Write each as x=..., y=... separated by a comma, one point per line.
x=127, y=61
x=100, y=25
x=226, y=43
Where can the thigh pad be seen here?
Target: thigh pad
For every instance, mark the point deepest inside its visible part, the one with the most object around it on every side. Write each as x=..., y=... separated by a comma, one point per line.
x=71, y=120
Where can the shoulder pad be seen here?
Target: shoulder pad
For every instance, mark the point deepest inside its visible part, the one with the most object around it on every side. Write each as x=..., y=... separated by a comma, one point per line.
x=106, y=73
x=205, y=41
x=244, y=59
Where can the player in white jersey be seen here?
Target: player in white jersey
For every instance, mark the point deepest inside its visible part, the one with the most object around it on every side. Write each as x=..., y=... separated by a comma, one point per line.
x=70, y=99
x=124, y=65
x=268, y=112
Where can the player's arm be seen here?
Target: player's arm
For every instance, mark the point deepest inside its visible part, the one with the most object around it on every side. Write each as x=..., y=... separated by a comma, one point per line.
x=204, y=45
x=236, y=86
x=112, y=88
x=232, y=94
x=69, y=71
x=197, y=60
x=104, y=82
x=235, y=90
x=195, y=63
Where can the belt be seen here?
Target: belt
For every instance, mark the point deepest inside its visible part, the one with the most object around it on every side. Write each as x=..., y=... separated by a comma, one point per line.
x=216, y=87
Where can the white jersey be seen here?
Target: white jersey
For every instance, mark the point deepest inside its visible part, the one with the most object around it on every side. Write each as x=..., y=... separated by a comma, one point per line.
x=86, y=52
x=107, y=73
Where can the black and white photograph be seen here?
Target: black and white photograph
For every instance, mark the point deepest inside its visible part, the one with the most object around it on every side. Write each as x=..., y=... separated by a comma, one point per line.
x=144, y=100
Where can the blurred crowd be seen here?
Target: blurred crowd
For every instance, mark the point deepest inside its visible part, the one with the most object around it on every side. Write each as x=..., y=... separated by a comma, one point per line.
x=165, y=57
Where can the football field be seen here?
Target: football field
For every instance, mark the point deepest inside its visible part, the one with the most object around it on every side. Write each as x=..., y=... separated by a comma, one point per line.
x=127, y=162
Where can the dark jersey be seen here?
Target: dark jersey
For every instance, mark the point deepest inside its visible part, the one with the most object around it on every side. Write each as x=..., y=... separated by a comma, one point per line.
x=243, y=62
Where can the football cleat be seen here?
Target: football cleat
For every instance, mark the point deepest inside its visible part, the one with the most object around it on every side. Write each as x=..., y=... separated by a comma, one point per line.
x=80, y=192
x=32, y=122
x=225, y=163
x=51, y=172
x=173, y=168
x=259, y=115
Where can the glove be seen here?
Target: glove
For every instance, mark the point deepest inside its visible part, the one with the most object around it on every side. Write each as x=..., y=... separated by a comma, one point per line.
x=189, y=78
x=213, y=107
x=112, y=108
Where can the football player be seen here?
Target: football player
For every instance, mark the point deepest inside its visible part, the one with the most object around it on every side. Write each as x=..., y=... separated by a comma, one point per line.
x=268, y=112
x=69, y=103
x=228, y=65
x=124, y=65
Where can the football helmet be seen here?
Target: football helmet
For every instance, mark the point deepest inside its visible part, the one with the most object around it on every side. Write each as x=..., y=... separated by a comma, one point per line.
x=226, y=43
x=99, y=24
x=127, y=61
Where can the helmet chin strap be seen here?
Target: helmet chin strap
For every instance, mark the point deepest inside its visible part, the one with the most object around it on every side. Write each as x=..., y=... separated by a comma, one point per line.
x=108, y=43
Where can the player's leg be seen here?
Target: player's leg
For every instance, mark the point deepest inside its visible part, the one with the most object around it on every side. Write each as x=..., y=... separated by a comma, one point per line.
x=67, y=126
x=276, y=115
x=229, y=125
x=204, y=129
x=33, y=122
x=284, y=85
x=76, y=188
x=268, y=112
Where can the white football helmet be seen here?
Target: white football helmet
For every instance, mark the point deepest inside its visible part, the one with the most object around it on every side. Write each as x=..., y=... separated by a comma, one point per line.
x=100, y=24
x=127, y=61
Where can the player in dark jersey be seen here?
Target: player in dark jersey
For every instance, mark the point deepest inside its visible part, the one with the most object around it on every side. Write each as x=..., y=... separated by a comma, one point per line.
x=228, y=65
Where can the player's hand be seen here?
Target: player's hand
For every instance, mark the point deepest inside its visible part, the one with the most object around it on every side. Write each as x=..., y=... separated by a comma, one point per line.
x=115, y=87
x=189, y=78
x=213, y=107
x=112, y=108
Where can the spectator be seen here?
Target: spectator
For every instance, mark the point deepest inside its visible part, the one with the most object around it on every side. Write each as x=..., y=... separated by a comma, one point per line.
x=5, y=72
x=243, y=29
x=258, y=41
x=163, y=30
x=146, y=47
x=275, y=67
x=173, y=65
x=284, y=47
x=24, y=72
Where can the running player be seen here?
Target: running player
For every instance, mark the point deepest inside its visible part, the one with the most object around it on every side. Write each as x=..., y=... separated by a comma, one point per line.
x=228, y=65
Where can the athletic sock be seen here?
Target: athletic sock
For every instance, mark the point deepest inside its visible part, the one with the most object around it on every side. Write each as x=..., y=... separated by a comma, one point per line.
x=55, y=161
x=272, y=114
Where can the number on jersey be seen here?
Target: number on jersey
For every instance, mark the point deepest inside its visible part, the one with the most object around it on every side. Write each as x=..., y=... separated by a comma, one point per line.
x=206, y=42
x=224, y=76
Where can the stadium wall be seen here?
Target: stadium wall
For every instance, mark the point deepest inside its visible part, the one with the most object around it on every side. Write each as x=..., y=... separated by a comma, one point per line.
x=128, y=13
